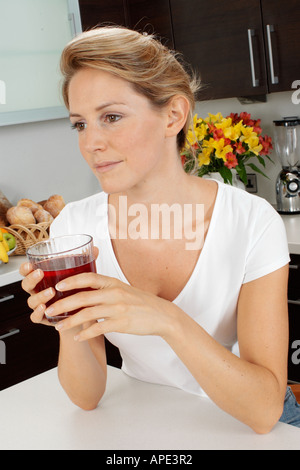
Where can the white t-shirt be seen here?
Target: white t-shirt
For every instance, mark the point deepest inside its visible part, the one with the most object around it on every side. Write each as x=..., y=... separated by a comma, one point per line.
x=246, y=239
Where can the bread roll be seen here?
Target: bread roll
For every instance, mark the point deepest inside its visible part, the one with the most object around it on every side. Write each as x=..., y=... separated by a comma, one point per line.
x=33, y=206
x=54, y=205
x=20, y=215
x=5, y=204
x=43, y=216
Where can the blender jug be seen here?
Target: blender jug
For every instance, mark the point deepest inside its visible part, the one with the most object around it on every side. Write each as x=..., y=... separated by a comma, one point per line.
x=287, y=146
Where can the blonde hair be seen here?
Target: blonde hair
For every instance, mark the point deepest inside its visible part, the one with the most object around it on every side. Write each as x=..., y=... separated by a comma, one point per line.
x=152, y=69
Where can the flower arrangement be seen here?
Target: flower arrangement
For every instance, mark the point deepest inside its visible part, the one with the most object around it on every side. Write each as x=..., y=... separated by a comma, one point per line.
x=222, y=144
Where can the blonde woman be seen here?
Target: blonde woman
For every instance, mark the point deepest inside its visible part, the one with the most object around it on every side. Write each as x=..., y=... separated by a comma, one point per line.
x=173, y=308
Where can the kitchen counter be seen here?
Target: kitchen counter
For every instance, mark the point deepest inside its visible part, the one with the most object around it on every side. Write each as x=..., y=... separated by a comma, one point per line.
x=9, y=273
x=292, y=226
x=38, y=415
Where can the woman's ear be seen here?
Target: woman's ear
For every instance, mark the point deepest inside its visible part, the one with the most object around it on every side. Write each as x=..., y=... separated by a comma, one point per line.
x=178, y=111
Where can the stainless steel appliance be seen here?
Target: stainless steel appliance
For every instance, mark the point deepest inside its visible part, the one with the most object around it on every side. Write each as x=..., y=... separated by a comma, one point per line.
x=287, y=146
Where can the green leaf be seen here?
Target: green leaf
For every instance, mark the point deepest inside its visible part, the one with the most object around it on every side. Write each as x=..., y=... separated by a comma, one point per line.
x=241, y=171
x=255, y=168
x=226, y=174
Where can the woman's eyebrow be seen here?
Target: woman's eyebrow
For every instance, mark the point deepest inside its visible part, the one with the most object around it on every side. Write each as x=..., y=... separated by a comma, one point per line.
x=102, y=106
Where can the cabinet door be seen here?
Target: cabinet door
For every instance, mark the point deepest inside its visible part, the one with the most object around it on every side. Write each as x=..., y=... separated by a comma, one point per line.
x=26, y=350
x=96, y=12
x=152, y=17
x=294, y=319
x=294, y=341
x=224, y=42
x=282, y=36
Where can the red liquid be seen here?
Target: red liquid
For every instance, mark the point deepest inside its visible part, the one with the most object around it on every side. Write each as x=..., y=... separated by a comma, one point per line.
x=53, y=274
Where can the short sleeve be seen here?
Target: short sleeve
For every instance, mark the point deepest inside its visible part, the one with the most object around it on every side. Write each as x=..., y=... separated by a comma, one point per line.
x=59, y=226
x=268, y=247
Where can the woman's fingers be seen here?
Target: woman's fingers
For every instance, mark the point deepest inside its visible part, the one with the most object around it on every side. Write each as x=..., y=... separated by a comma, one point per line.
x=86, y=280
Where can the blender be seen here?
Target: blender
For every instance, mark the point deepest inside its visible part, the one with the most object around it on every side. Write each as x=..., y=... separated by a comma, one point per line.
x=287, y=146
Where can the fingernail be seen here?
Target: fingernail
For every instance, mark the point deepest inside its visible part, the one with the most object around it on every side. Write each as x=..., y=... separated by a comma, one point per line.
x=49, y=310
x=60, y=286
x=37, y=273
x=49, y=292
x=59, y=326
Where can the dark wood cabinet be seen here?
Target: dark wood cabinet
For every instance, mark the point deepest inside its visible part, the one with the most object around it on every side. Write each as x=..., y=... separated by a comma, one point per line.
x=100, y=12
x=294, y=320
x=151, y=17
x=281, y=22
x=26, y=349
x=141, y=15
x=239, y=48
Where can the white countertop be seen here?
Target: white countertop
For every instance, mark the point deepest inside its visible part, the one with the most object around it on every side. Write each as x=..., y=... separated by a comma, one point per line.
x=37, y=415
x=292, y=226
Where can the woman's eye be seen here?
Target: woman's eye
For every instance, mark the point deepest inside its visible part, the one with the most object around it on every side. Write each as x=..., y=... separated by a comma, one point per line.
x=79, y=126
x=112, y=118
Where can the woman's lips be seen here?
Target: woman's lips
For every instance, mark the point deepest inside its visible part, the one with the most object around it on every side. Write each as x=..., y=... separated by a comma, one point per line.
x=106, y=166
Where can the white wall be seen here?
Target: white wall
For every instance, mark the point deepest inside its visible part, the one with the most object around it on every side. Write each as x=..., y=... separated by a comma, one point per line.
x=40, y=159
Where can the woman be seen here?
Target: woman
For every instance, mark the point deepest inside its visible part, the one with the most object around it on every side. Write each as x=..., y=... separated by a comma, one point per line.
x=173, y=308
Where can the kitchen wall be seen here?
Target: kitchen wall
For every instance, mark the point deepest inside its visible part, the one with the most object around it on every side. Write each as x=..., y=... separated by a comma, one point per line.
x=40, y=159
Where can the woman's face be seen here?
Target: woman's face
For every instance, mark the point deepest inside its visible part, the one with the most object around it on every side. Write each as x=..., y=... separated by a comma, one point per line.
x=121, y=136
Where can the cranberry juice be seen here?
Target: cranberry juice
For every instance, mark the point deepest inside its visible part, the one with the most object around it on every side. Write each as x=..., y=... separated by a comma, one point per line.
x=54, y=271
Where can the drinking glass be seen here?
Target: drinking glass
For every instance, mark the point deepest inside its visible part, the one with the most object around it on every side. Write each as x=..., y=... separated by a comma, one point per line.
x=59, y=258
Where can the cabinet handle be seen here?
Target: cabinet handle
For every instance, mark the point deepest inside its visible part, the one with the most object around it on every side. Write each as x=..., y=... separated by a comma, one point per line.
x=294, y=266
x=255, y=81
x=6, y=298
x=12, y=332
x=294, y=302
x=270, y=29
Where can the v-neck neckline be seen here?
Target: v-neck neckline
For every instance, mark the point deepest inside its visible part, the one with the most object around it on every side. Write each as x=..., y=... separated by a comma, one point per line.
x=203, y=250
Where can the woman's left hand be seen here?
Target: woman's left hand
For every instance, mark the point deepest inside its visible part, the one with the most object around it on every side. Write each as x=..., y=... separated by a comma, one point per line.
x=122, y=308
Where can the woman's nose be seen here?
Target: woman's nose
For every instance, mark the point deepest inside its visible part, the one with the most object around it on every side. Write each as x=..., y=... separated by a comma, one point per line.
x=94, y=139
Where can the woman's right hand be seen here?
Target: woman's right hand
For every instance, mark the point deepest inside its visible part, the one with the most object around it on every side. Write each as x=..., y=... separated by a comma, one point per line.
x=36, y=301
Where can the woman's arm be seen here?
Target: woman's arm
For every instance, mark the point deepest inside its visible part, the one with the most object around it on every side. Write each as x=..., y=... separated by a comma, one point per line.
x=81, y=366
x=251, y=387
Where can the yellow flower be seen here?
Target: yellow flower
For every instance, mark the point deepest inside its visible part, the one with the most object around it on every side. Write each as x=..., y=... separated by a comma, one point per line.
x=204, y=156
x=247, y=132
x=191, y=138
x=201, y=131
x=214, y=118
x=254, y=144
x=233, y=132
x=222, y=149
x=224, y=124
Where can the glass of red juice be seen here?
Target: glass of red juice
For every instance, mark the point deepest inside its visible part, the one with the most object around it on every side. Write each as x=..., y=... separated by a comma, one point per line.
x=59, y=258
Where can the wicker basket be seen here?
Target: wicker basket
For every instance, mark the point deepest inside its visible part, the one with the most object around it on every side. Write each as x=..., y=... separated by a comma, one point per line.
x=28, y=235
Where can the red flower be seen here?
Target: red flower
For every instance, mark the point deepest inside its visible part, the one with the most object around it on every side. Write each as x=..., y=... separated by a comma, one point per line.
x=218, y=134
x=239, y=148
x=266, y=142
x=231, y=160
x=234, y=117
x=246, y=118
